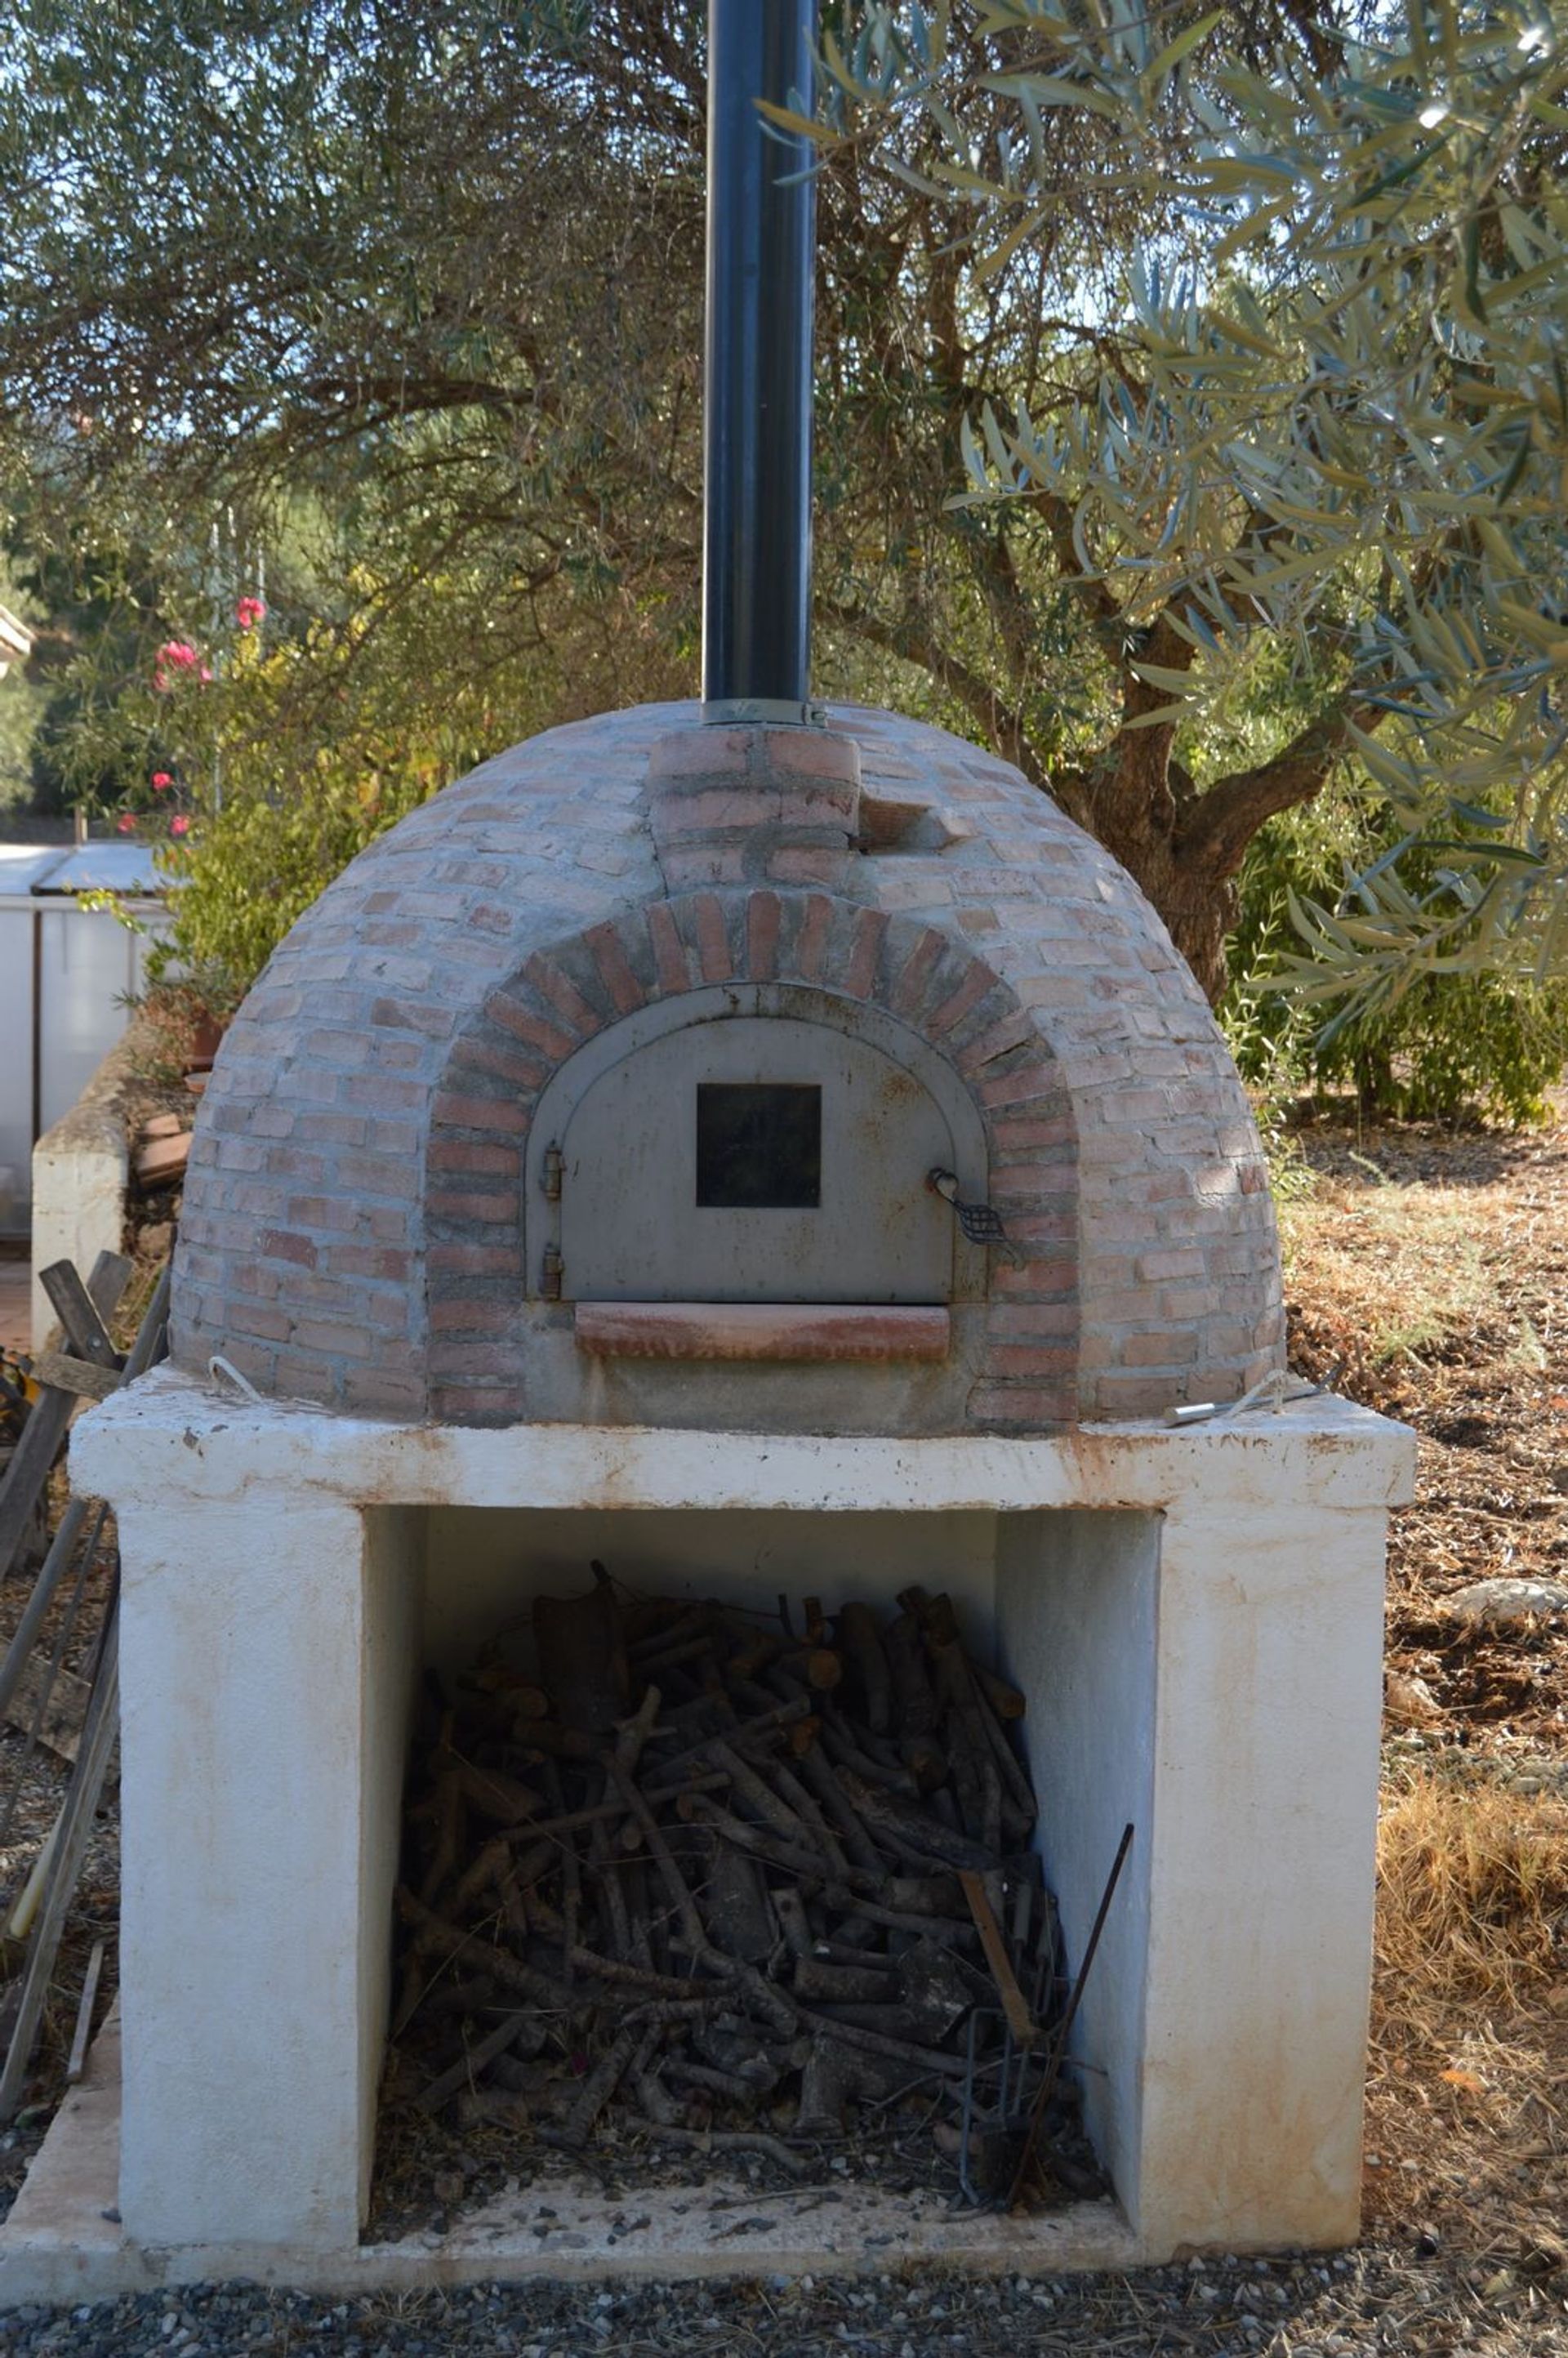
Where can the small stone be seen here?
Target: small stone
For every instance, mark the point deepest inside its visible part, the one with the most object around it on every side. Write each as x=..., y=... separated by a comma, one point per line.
x=449, y=2186
x=1507, y=1604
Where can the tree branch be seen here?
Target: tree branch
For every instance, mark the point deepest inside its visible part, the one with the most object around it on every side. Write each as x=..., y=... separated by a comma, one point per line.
x=1217, y=828
x=912, y=643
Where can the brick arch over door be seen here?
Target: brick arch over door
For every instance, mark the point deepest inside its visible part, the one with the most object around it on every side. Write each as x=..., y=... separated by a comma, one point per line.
x=1025, y=1374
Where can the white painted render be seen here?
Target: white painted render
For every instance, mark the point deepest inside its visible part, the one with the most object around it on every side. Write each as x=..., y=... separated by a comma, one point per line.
x=1195, y=1615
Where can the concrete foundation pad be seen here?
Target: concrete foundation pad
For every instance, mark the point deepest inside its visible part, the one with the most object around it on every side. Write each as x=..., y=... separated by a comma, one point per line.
x=63, y=2242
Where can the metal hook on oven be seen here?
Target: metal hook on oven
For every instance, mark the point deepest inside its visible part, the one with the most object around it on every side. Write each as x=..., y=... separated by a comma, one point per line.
x=981, y=1223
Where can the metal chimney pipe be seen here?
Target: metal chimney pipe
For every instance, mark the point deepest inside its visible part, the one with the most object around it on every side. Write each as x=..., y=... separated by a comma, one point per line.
x=762, y=222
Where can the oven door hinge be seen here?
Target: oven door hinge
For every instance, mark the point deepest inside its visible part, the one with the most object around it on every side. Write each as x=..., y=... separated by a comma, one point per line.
x=551, y=1273
x=554, y=1167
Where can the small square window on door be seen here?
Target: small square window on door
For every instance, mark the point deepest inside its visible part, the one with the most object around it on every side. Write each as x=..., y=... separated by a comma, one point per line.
x=759, y=1146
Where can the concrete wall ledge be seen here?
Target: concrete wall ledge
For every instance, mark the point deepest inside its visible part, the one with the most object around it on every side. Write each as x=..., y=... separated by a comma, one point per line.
x=81, y=1166
x=219, y=1444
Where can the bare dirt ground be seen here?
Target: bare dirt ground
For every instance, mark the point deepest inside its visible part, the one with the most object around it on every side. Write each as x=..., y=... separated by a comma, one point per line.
x=1435, y=1268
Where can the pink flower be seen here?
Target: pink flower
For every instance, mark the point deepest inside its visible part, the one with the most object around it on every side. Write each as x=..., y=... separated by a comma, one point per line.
x=206, y=677
x=127, y=823
x=249, y=611
x=160, y=679
x=161, y=782
x=177, y=651
x=179, y=824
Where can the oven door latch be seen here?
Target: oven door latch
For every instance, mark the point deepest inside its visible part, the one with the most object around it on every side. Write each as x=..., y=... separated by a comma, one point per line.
x=981, y=1223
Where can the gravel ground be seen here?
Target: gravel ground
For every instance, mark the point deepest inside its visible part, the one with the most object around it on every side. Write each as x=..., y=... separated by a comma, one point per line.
x=1361, y=2305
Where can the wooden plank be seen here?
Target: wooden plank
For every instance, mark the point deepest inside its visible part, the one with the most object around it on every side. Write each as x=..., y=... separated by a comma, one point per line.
x=62, y=1373
x=77, y=2063
x=39, y=1447
x=147, y=1348
x=163, y=1159
x=1014, y=2004
x=74, y=1833
x=64, y=1713
x=85, y=1331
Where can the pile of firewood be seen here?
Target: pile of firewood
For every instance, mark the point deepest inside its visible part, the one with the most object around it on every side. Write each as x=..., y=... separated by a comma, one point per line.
x=725, y=1880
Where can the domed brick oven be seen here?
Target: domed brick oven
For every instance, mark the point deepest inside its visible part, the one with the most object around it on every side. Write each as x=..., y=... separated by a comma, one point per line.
x=755, y=1146
x=611, y=1087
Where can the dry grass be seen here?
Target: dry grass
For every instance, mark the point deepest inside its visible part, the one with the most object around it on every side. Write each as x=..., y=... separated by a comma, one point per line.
x=1406, y=1265
x=1467, y=2142
x=1436, y=1269
x=1473, y=1884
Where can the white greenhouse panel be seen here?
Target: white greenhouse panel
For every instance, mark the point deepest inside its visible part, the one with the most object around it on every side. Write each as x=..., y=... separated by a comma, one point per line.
x=16, y=1067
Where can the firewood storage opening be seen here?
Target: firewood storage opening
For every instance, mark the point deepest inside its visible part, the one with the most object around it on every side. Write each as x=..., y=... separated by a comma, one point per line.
x=729, y=1861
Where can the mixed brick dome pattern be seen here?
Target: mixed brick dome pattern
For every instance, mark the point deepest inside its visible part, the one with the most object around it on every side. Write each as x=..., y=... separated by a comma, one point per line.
x=353, y=1224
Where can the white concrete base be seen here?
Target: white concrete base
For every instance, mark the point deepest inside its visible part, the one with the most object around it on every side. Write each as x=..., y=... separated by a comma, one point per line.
x=63, y=2242
x=1195, y=1615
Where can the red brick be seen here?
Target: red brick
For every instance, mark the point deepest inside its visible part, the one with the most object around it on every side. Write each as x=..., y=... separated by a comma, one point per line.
x=332, y=1128
x=412, y=1015
x=1132, y=1396
x=1029, y=1359
x=468, y=1315
x=698, y=752
x=379, y=1174
x=969, y=992
x=472, y=1156
x=506, y=1064
x=459, y=1404
x=1024, y=1321
x=1015, y=1030
x=609, y=954
x=259, y=1318
x=553, y=982
x=812, y=942
x=282, y=1244
x=866, y=939
x=448, y=1204
x=916, y=971
x=1027, y=1278
x=829, y=753
x=381, y=1095
x=384, y=1388
x=479, y=1113
x=1024, y=1182
x=523, y=1024
x=1030, y=1081
x=1154, y=1267
x=670, y=964
x=475, y=1261
x=763, y=914
x=389, y=1262
x=712, y=940
x=339, y=1338
x=1168, y=1346
x=1022, y=1132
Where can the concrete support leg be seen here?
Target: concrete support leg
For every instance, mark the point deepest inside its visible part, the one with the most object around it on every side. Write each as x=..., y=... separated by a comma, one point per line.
x=1268, y=1694
x=266, y=1660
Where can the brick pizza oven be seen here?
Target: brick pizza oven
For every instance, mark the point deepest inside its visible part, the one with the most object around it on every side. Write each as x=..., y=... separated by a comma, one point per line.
x=758, y=1148
x=449, y=1163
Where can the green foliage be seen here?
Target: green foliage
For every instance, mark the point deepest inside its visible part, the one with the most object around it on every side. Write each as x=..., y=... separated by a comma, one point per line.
x=1335, y=416
x=264, y=779
x=1451, y=1047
